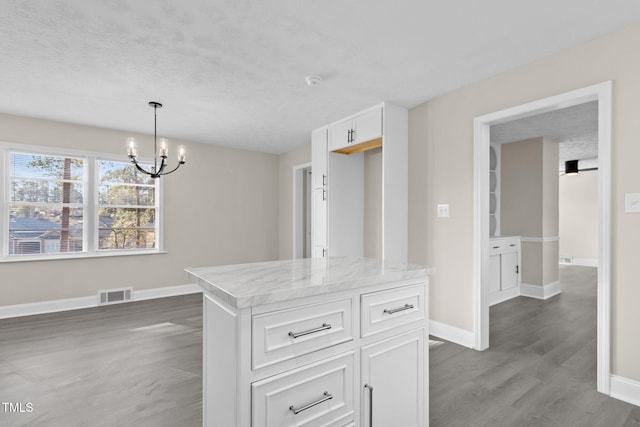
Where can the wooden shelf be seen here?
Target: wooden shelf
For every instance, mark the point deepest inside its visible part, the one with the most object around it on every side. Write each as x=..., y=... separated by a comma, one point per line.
x=363, y=146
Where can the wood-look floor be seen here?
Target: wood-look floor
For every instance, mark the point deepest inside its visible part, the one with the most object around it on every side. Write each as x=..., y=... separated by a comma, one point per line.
x=540, y=369
x=140, y=364
x=134, y=364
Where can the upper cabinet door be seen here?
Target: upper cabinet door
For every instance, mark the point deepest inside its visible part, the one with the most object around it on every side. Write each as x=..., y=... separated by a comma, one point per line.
x=319, y=155
x=356, y=130
x=340, y=134
x=367, y=126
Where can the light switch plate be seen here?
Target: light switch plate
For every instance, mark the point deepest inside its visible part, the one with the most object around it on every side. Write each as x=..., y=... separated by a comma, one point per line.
x=632, y=203
x=443, y=211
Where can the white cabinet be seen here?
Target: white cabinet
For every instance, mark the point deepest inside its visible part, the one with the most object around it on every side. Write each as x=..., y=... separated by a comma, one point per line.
x=362, y=128
x=319, y=226
x=325, y=360
x=504, y=269
x=319, y=209
x=384, y=125
x=393, y=397
x=319, y=157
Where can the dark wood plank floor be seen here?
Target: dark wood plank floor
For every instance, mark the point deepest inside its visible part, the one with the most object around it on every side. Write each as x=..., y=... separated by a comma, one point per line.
x=140, y=364
x=134, y=364
x=540, y=369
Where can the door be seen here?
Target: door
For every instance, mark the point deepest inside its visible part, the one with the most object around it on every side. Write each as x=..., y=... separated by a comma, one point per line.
x=368, y=126
x=509, y=270
x=319, y=157
x=393, y=382
x=340, y=134
x=494, y=273
x=320, y=217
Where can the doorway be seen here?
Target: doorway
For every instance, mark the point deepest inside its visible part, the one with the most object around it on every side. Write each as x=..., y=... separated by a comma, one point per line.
x=302, y=191
x=601, y=93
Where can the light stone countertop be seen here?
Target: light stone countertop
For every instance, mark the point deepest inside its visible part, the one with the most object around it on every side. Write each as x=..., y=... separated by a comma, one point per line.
x=248, y=285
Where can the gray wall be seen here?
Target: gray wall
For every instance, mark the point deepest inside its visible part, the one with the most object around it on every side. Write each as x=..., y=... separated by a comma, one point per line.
x=579, y=215
x=219, y=208
x=529, y=205
x=441, y=171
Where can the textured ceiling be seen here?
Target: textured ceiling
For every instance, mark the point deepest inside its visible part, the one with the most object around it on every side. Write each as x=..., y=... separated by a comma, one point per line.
x=232, y=72
x=574, y=128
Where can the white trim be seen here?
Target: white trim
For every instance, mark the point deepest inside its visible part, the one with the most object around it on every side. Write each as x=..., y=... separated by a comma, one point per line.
x=600, y=92
x=165, y=291
x=625, y=389
x=584, y=262
x=451, y=333
x=42, y=307
x=540, y=239
x=540, y=292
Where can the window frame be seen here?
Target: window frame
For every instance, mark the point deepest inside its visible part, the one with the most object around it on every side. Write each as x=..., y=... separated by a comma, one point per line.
x=91, y=183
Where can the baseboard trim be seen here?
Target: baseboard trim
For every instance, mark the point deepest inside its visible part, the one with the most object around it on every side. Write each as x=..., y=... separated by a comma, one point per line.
x=43, y=307
x=540, y=292
x=452, y=333
x=167, y=291
x=625, y=389
x=585, y=262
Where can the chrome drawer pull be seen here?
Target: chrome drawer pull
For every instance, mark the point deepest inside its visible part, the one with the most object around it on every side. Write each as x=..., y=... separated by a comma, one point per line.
x=395, y=310
x=324, y=326
x=325, y=396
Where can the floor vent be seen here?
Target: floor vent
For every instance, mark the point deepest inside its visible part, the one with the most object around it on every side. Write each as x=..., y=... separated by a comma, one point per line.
x=113, y=296
x=566, y=260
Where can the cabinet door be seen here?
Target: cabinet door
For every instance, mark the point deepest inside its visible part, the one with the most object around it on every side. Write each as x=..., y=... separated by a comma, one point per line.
x=339, y=134
x=320, y=217
x=393, y=382
x=319, y=157
x=368, y=126
x=494, y=273
x=509, y=270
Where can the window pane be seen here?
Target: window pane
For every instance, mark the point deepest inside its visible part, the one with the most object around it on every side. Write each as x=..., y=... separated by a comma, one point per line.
x=43, y=166
x=126, y=228
x=45, y=229
x=38, y=191
x=122, y=194
x=122, y=172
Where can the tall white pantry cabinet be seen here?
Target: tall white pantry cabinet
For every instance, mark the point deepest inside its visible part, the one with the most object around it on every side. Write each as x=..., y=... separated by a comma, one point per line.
x=338, y=171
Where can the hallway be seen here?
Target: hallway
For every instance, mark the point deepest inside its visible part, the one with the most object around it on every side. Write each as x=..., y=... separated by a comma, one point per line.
x=540, y=369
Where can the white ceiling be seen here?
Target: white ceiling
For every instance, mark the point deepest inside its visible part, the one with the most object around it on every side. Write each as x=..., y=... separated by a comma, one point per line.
x=232, y=72
x=574, y=128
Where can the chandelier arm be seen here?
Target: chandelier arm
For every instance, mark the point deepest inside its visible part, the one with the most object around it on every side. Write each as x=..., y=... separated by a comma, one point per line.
x=163, y=165
x=174, y=169
x=135, y=162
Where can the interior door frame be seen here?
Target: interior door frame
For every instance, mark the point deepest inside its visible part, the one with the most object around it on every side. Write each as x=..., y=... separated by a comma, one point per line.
x=298, y=216
x=602, y=93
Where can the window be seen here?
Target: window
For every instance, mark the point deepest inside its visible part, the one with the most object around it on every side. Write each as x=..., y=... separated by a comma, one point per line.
x=46, y=212
x=70, y=204
x=126, y=207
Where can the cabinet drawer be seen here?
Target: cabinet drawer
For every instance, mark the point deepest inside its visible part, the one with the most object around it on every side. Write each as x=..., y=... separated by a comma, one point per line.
x=320, y=394
x=500, y=246
x=285, y=334
x=389, y=309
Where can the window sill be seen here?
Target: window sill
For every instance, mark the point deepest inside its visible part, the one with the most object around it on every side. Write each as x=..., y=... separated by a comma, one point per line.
x=52, y=257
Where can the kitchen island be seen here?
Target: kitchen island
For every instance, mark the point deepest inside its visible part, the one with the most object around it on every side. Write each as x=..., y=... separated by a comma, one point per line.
x=321, y=341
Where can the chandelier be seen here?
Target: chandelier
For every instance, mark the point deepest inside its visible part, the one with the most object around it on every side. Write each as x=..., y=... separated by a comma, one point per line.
x=159, y=158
